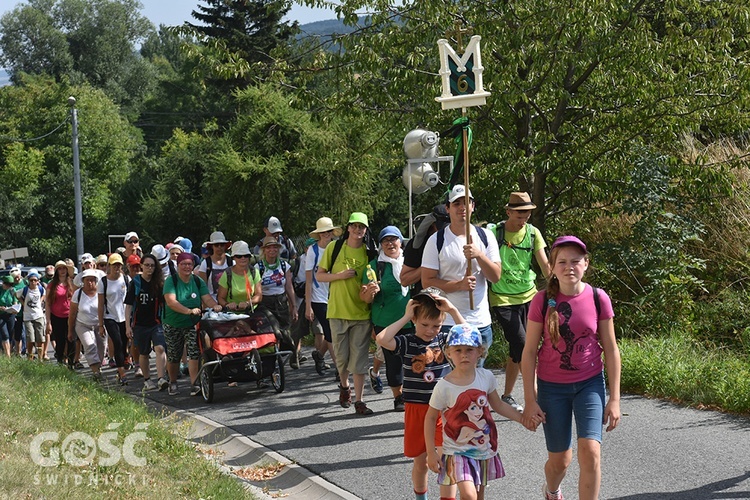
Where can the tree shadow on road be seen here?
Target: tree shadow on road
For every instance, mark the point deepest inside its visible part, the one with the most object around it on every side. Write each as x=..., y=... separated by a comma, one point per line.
x=709, y=491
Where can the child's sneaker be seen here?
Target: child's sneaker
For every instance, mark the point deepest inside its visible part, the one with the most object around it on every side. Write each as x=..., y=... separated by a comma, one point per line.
x=551, y=496
x=398, y=403
x=375, y=382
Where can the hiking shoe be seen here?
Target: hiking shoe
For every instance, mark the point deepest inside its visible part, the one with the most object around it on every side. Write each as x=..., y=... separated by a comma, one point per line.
x=361, y=408
x=122, y=380
x=138, y=372
x=320, y=365
x=398, y=403
x=195, y=390
x=162, y=383
x=294, y=361
x=376, y=383
x=149, y=385
x=551, y=496
x=173, y=389
x=512, y=402
x=345, y=396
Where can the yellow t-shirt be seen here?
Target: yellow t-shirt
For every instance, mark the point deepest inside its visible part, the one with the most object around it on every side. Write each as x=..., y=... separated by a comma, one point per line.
x=241, y=285
x=343, y=295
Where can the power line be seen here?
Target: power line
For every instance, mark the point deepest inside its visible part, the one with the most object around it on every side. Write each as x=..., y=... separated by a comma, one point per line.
x=16, y=139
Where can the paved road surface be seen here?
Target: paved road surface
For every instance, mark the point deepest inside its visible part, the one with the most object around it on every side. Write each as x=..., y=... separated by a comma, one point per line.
x=660, y=451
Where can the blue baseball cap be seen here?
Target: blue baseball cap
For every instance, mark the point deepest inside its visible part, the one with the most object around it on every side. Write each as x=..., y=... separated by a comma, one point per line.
x=464, y=334
x=390, y=231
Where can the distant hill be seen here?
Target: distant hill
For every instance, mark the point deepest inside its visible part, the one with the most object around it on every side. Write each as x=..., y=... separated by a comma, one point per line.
x=325, y=28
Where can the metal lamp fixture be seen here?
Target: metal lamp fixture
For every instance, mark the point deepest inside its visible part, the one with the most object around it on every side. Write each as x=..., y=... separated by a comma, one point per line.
x=420, y=176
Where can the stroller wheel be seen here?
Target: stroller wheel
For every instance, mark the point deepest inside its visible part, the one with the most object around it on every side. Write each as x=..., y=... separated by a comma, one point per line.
x=206, y=381
x=277, y=377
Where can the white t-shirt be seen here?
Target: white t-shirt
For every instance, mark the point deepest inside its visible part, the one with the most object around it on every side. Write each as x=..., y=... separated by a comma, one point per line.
x=32, y=305
x=88, y=308
x=273, y=278
x=468, y=429
x=115, y=299
x=216, y=271
x=319, y=288
x=451, y=265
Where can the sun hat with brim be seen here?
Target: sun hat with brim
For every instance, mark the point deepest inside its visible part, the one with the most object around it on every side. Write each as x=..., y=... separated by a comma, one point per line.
x=160, y=253
x=217, y=238
x=270, y=241
x=359, y=217
x=240, y=247
x=115, y=258
x=464, y=334
x=89, y=273
x=520, y=201
x=390, y=231
x=323, y=225
x=8, y=280
x=570, y=241
x=71, y=269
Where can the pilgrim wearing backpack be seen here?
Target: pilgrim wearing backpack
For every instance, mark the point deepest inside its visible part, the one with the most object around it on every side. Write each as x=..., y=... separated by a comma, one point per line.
x=32, y=297
x=217, y=262
x=510, y=297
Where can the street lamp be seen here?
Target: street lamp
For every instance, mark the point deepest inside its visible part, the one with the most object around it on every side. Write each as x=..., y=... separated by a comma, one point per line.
x=76, y=179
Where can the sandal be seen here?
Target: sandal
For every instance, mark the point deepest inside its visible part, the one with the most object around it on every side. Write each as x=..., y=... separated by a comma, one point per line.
x=361, y=408
x=345, y=396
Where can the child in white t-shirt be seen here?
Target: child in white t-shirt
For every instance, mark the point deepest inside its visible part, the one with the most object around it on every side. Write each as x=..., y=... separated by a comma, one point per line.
x=464, y=398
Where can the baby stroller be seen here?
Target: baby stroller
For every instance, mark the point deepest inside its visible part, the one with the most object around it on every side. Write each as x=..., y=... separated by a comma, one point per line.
x=240, y=348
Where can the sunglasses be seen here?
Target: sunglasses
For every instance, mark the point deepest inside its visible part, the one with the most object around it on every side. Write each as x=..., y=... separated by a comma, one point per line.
x=133, y=241
x=241, y=256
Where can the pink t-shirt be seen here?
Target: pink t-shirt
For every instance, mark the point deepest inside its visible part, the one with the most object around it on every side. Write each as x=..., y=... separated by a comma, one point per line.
x=61, y=307
x=578, y=353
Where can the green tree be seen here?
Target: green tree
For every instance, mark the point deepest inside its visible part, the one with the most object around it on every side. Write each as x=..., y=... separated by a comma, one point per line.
x=39, y=202
x=573, y=85
x=84, y=40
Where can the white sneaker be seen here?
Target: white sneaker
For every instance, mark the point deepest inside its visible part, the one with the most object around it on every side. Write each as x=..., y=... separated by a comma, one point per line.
x=195, y=390
x=149, y=385
x=512, y=402
x=162, y=383
x=173, y=389
x=138, y=372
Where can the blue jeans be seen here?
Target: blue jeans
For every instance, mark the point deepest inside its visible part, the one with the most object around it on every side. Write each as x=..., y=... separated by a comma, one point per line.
x=560, y=402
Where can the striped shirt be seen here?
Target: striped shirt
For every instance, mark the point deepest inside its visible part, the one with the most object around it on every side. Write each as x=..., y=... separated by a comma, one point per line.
x=424, y=364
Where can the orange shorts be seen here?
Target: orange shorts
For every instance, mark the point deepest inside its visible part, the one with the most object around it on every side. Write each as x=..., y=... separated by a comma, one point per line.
x=414, y=414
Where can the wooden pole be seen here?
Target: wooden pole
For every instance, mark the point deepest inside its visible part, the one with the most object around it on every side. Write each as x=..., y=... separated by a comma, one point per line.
x=467, y=200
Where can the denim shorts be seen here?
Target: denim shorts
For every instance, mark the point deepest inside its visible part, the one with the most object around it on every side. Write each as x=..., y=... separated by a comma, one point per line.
x=560, y=402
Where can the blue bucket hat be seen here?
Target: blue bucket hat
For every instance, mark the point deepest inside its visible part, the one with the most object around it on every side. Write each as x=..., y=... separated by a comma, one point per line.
x=464, y=334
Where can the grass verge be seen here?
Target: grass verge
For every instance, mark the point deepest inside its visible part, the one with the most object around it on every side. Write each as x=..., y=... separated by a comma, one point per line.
x=85, y=453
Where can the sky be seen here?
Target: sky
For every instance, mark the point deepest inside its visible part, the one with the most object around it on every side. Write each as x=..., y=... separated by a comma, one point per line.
x=174, y=12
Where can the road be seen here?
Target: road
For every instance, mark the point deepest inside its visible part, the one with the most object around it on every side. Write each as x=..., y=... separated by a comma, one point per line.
x=660, y=450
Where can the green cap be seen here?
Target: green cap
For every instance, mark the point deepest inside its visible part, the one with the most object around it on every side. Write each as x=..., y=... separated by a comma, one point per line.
x=358, y=217
x=9, y=280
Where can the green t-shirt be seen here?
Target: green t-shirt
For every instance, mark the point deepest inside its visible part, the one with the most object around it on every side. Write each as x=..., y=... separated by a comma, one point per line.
x=343, y=295
x=517, y=273
x=240, y=285
x=17, y=288
x=8, y=297
x=390, y=302
x=189, y=295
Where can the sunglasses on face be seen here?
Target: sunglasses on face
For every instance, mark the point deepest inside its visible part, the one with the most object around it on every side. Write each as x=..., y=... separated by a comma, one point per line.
x=241, y=256
x=133, y=241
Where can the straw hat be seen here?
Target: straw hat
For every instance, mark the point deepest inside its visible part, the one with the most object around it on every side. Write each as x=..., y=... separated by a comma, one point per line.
x=323, y=225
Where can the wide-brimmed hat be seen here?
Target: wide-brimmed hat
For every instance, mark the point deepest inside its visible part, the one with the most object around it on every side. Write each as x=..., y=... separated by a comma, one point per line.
x=217, y=238
x=240, y=247
x=269, y=241
x=71, y=269
x=360, y=218
x=89, y=273
x=323, y=225
x=520, y=201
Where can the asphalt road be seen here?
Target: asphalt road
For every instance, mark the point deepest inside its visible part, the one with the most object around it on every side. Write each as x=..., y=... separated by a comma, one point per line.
x=660, y=451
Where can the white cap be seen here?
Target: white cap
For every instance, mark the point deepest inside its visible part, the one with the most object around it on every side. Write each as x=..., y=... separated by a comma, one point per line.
x=458, y=191
x=131, y=234
x=274, y=225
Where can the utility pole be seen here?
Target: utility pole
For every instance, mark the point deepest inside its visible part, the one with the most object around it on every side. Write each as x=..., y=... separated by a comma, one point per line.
x=76, y=179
